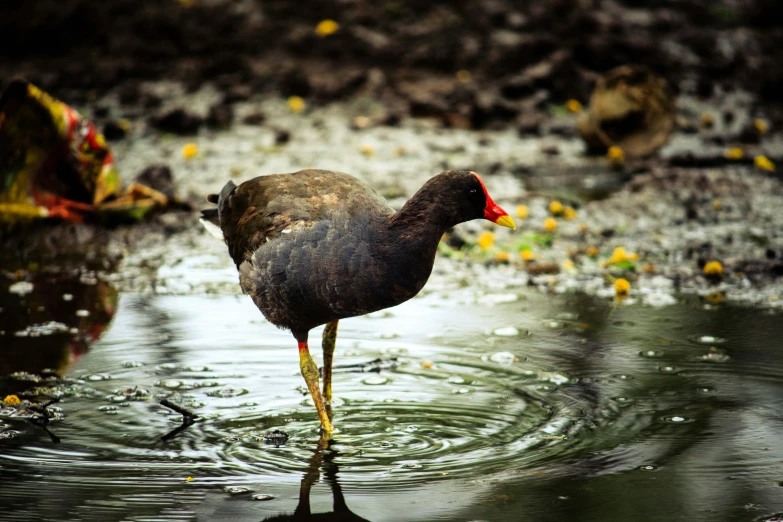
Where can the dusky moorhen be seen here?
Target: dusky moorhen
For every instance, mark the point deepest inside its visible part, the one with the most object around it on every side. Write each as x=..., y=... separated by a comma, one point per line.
x=316, y=246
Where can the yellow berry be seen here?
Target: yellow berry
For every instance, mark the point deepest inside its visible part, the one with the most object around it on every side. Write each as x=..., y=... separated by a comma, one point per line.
x=12, y=400
x=486, y=240
x=296, y=104
x=621, y=287
x=573, y=105
x=326, y=27
x=713, y=268
x=550, y=225
x=522, y=211
x=189, y=151
x=733, y=153
x=569, y=213
x=763, y=163
x=463, y=76
x=555, y=208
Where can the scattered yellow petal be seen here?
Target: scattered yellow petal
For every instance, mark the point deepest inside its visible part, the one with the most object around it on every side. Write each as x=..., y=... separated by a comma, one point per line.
x=573, y=105
x=621, y=287
x=527, y=255
x=713, y=268
x=592, y=251
x=648, y=268
x=569, y=213
x=555, y=208
x=296, y=104
x=568, y=265
x=426, y=364
x=522, y=211
x=188, y=479
x=619, y=255
x=486, y=240
x=326, y=27
x=733, y=153
x=763, y=163
x=707, y=119
x=502, y=257
x=12, y=400
x=761, y=125
x=367, y=150
x=463, y=76
x=550, y=225
x=615, y=154
x=189, y=151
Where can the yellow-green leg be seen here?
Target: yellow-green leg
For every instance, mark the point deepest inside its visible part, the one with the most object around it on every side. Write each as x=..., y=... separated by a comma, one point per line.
x=310, y=374
x=329, y=339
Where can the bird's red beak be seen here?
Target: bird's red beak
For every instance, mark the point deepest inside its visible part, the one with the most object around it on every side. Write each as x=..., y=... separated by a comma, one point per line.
x=492, y=211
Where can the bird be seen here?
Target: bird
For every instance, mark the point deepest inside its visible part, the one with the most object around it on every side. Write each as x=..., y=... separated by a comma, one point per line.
x=314, y=247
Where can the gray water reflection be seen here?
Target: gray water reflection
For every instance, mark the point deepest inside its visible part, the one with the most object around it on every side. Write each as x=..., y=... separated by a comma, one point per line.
x=585, y=411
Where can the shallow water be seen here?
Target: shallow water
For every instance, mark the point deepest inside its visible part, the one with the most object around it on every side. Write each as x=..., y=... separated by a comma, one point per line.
x=509, y=406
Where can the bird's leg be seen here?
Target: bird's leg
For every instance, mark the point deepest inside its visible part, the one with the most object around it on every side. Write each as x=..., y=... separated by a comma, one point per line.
x=329, y=339
x=310, y=374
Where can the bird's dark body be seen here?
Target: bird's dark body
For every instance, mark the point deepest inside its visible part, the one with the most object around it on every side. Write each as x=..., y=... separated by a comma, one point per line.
x=317, y=246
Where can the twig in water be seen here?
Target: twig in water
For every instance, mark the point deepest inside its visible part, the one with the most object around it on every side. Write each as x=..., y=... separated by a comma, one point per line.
x=188, y=418
x=43, y=420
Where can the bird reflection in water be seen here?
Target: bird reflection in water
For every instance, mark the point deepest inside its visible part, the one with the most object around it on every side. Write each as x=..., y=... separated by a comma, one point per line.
x=322, y=459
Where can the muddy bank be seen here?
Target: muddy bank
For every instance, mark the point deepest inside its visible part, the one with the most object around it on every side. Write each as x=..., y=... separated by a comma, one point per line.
x=470, y=64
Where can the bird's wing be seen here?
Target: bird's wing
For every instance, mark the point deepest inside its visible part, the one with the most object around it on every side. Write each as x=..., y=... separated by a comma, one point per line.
x=269, y=207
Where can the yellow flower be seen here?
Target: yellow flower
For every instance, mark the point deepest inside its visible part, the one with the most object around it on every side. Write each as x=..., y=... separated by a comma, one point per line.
x=568, y=264
x=527, y=255
x=486, y=240
x=426, y=364
x=296, y=104
x=550, y=225
x=463, y=76
x=761, y=125
x=592, y=251
x=326, y=27
x=188, y=479
x=763, y=163
x=619, y=255
x=189, y=151
x=713, y=268
x=648, y=268
x=733, y=153
x=522, y=211
x=555, y=208
x=573, y=105
x=616, y=155
x=569, y=213
x=621, y=287
x=502, y=257
x=12, y=400
x=367, y=150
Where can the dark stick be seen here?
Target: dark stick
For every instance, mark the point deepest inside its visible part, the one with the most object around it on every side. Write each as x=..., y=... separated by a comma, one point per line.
x=188, y=419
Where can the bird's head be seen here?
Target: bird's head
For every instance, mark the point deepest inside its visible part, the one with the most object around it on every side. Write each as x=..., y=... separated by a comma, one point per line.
x=466, y=191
